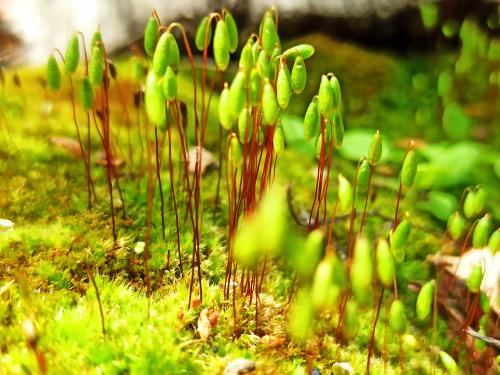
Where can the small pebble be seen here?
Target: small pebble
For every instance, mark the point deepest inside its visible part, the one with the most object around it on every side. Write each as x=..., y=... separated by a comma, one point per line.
x=239, y=366
x=6, y=224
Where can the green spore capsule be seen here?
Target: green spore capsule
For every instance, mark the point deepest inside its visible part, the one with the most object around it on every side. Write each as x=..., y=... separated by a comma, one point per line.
x=139, y=70
x=154, y=99
x=324, y=293
x=350, y=323
x=468, y=206
x=221, y=45
x=474, y=202
x=484, y=302
x=244, y=125
x=304, y=257
x=53, y=74
x=72, y=55
x=269, y=34
x=456, y=226
x=494, y=242
x=270, y=107
x=363, y=177
x=236, y=152
x=424, y=300
x=338, y=130
x=232, y=31
x=256, y=51
x=481, y=232
x=96, y=41
x=325, y=96
x=150, y=36
x=301, y=319
x=96, y=66
x=302, y=50
x=312, y=120
x=385, y=264
x=225, y=114
x=344, y=193
x=475, y=278
x=398, y=238
x=166, y=53
x=337, y=94
x=87, y=94
x=246, y=57
x=299, y=75
x=279, y=138
x=397, y=317
x=319, y=144
x=170, y=84
x=375, y=150
x=362, y=270
x=264, y=66
x=199, y=39
x=409, y=169
x=283, y=87
x=448, y=362
x=238, y=93
x=255, y=83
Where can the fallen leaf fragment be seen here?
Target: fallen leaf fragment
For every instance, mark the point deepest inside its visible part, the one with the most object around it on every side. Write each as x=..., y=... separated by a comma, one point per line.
x=204, y=326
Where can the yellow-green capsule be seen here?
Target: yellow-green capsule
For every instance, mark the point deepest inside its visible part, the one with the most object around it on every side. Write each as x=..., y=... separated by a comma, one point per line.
x=319, y=144
x=139, y=70
x=338, y=130
x=199, y=38
x=468, y=206
x=409, y=169
x=221, y=45
x=283, y=87
x=312, y=120
x=299, y=75
x=255, y=83
x=238, y=93
x=245, y=125
x=256, y=51
x=150, y=36
x=337, y=94
x=154, y=99
x=269, y=35
x=310, y=253
x=96, y=66
x=350, y=323
x=270, y=107
x=303, y=50
x=324, y=293
x=397, y=317
x=448, y=362
x=385, y=264
x=87, y=94
x=246, y=57
x=475, y=278
x=72, y=55
x=398, y=238
x=344, y=193
x=494, y=242
x=279, y=138
x=232, y=31
x=236, y=153
x=456, y=226
x=96, y=41
x=53, y=74
x=166, y=53
x=424, y=300
x=362, y=269
x=325, y=97
x=474, y=202
x=481, y=232
x=301, y=319
x=264, y=66
x=225, y=115
x=363, y=177
x=484, y=302
x=170, y=84
x=375, y=150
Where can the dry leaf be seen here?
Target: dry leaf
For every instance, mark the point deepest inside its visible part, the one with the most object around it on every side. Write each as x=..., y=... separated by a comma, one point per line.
x=68, y=144
x=204, y=326
x=207, y=160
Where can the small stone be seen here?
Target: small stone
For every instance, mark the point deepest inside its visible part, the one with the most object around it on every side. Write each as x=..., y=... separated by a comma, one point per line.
x=344, y=366
x=6, y=224
x=239, y=366
x=207, y=160
x=68, y=144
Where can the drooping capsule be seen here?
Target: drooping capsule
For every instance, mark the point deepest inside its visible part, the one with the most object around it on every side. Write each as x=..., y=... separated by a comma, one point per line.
x=375, y=150
x=221, y=45
x=225, y=115
x=385, y=264
x=279, y=138
x=448, y=362
x=53, y=74
x=269, y=34
x=299, y=75
x=363, y=177
x=468, y=206
x=170, y=84
x=255, y=83
x=96, y=41
x=283, y=87
x=150, y=36
x=474, y=202
x=166, y=53
x=303, y=50
x=481, y=232
x=154, y=99
x=338, y=130
x=264, y=66
x=456, y=226
x=246, y=57
x=201, y=32
x=325, y=97
x=312, y=120
x=238, y=93
x=344, y=193
x=409, y=169
x=337, y=94
x=96, y=66
x=397, y=317
x=301, y=316
x=87, y=94
x=424, y=300
x=232, y=31
x=362, y=270
x=270, y=106
x=494, y=242
x=350, y=323
x=475, y=278
x=245, y=125
x=236, y=153
x=72, y=55
x=324, y=293
x=398, y=238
